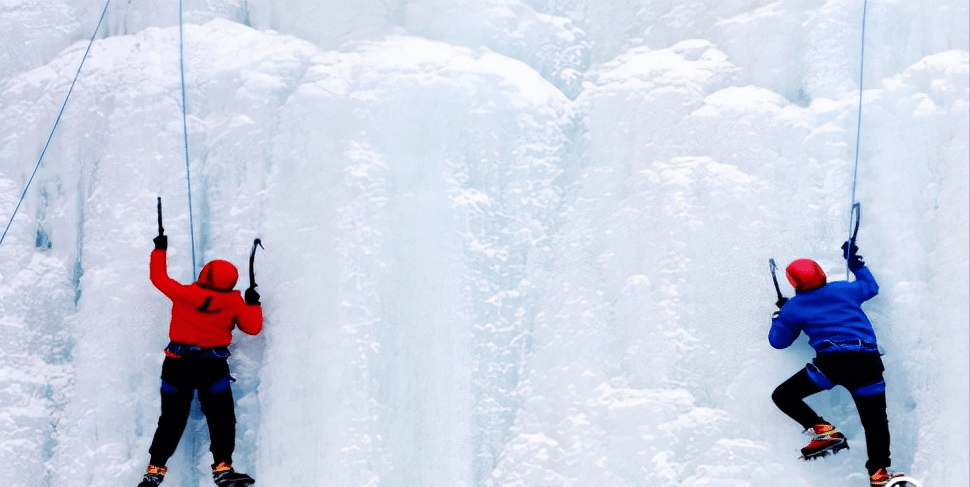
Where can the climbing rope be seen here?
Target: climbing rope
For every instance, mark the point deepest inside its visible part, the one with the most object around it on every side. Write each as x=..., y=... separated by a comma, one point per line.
x=853, y=205
x=185, y=138
x=57, y=121
x=194, y=440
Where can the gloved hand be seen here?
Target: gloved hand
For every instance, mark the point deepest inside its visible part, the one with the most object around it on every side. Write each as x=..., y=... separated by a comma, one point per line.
x=161, y=242
x=781, y=302
x=251, y=296
x=852, y=257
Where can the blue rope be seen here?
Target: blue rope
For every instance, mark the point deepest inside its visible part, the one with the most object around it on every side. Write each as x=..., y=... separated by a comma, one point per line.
x=858, y=131
x=185, y=132
x=57, y=121
x=193, y=437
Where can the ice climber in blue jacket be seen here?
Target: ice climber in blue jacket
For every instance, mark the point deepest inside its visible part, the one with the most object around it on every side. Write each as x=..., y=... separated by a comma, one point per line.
x=830, y=314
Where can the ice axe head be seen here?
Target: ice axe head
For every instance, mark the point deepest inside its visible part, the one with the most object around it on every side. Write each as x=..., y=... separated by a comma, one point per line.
x=252, y=258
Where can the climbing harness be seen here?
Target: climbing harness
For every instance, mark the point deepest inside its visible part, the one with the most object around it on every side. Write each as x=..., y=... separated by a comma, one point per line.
x=57, y=120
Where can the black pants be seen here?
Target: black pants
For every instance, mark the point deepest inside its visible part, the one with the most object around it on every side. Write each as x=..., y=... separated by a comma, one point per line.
x=852, y=370
x=181, y=377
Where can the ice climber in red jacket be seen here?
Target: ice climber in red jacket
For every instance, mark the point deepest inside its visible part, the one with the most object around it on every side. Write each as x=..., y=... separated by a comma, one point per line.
x=204, y=315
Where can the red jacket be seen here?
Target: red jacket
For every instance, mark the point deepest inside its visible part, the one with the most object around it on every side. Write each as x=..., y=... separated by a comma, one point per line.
x=205, y=312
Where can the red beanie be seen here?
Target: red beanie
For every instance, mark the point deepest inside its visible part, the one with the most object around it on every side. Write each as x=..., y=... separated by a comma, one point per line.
x=220, y=275
x=805, y=275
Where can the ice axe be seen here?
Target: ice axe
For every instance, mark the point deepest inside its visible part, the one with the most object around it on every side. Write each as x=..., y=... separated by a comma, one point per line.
x=252, y=258
x=854, y=219
x=161, y=231
x=161, y=241
x=774, y=278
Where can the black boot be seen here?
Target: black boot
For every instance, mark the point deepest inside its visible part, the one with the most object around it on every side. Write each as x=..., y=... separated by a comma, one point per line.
x=153, y=476
x=225, y=476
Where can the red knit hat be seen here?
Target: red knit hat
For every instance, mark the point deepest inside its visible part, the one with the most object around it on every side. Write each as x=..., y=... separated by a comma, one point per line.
x=805, y=275
x=220, y=275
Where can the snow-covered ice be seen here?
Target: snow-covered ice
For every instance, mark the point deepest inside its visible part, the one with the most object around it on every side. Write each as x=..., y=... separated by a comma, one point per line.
x=509, y=243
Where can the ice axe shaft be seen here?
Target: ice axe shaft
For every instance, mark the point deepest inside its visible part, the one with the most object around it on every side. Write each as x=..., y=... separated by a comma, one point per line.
x=774, y=277
x=161, y=231
x=855, y=219
x=252, y=259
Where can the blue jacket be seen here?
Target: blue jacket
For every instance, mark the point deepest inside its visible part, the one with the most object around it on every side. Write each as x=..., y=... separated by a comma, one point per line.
x=828, y=314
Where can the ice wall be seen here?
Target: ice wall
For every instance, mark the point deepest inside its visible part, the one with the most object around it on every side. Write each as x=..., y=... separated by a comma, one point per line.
x=509, y=243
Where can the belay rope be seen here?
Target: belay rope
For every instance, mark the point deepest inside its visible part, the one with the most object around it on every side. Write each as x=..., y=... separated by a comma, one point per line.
x=185, y=138
x=57, y=121
x=67, y=98
x=855, y=210
x=194, y=439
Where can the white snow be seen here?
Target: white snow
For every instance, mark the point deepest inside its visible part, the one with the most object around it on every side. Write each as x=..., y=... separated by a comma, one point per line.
x=509, y=243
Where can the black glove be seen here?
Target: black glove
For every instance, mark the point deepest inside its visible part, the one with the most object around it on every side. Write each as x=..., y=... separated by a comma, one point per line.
x=852, y=257
x=781, y=302
x=161, y=242
x=252, y=297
